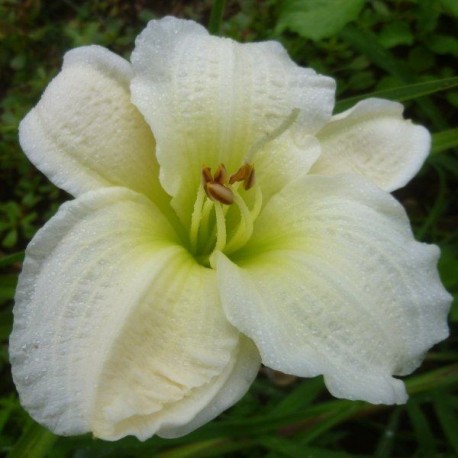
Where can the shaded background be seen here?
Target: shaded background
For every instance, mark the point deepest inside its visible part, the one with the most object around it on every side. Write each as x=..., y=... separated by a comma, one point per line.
x=368, y=46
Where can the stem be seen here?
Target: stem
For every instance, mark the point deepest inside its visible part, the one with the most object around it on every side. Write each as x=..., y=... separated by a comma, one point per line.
x=216, y=17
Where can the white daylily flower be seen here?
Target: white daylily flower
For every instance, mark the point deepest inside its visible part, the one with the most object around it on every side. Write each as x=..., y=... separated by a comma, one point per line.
x=212, y=229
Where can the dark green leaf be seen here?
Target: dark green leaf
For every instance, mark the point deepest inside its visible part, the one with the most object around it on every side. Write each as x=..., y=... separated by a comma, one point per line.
x=445, y=140
x=216, y=17
x=386, y=441
x=451, y=6
x=424, y=435
x=36, y=442
x=7, y=286
x=394, y=34
x=11, y=259
x=448, y=418
x=403, y=93
x=317, y=19
x=366, y=43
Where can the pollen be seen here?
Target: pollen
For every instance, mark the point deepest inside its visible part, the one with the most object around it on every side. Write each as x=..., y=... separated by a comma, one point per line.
x=218, y=186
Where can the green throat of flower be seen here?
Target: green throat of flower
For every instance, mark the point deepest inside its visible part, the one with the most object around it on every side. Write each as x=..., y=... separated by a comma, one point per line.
x=222, y=219
x=226, y=206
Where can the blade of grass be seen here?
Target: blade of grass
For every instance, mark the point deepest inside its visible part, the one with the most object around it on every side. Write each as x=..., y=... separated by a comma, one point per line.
x=335, y=418
x=301, y=397
x=216, y=17
x=447, y=418
x=440, y=378
x=438, y=207
x=402, y=93
x=445, y=140
x=36, y=442
x=279, y=446
x=425, y=437
x=210, y=448
x=386, y=441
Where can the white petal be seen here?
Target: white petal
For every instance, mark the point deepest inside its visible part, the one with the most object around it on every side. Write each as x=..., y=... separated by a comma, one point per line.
x=85, y=133
x=372, y=139
x=209, y=99
x=285, y=160
x=115, y=324
x=241, y=375
x=334, y=283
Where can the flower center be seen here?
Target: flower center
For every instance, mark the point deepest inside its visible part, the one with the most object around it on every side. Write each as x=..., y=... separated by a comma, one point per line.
x=224, y=212
x=222, y=220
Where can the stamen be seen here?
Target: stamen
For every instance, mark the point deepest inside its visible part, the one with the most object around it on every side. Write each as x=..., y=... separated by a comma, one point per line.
x=245, y=229
x=196, y=217
x=221, y=190
x=245, y=174
x=284, y=126
x=220, y=175
x=257, y=203
x=206, y=175
x=219, y=193
x=208, y=206
x=215, y=187
x=220, y=228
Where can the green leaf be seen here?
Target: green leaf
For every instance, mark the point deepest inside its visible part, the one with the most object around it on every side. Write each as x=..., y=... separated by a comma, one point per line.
x=210, y=448
x=394, y=34
x=317, y=19
x=445, y=140
x=11, y=259
x=386, y=442
x=402, y=93
x=366, y=43
x=10, y=238
x=36, y=442
x=447, y=418
x=448, y=270
x=443, y=44
x=6, y=324
x=7, y=286
x=292, y=448
x=425, y=437
x=301, y=397
x=451, y=6
x=216, y=17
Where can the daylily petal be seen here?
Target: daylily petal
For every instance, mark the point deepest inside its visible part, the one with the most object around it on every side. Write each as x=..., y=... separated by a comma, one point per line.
x=374, y=140
x=116, y=325
x=208, y=100
x=334, y=283
x=284, y=160
x=240, y=377
x=85, y=133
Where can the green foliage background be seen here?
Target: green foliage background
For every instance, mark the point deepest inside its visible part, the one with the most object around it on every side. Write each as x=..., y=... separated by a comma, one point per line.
x=401, y=49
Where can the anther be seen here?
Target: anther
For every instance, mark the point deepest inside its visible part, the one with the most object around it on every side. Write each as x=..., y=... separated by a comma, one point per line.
x=245, y=174
x=220, y=175
x=206, y=175
x=216, y=186
x=219, y=193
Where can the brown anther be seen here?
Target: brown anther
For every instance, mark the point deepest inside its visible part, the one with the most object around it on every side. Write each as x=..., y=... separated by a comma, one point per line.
x=220, y=175
x=206, y=175
x=245, y=174
x=219, y=193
